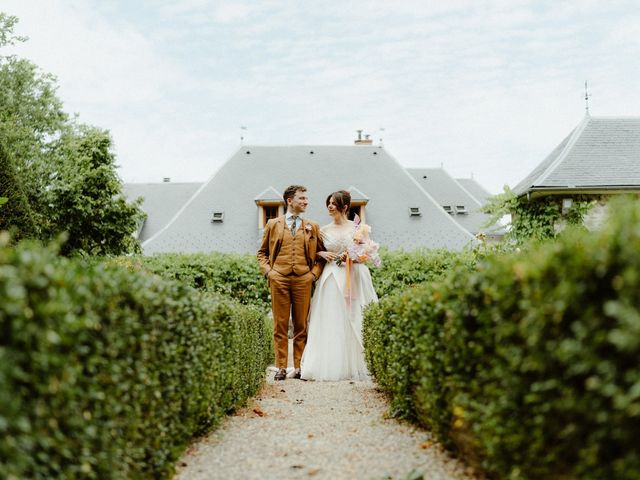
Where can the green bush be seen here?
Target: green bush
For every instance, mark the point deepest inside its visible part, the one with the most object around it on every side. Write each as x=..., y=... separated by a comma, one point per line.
x=107, y=372
x=402, y=269
x=239, y=276
x=385, y=321
x=235, y=275
x=528, y=363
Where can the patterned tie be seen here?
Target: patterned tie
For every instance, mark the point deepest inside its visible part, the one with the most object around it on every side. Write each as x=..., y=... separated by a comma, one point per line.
x=294, y=221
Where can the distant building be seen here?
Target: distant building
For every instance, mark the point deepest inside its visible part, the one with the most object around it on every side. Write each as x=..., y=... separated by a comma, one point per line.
x=161, y=201
x=457, y=200
x=228, y=212
x=475, y=189
x=599, y=158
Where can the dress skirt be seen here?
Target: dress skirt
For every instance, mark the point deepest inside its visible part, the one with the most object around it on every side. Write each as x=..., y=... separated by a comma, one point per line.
x=334, y=349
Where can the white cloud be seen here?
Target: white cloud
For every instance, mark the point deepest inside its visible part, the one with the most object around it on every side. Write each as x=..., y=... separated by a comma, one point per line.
x=484, y=86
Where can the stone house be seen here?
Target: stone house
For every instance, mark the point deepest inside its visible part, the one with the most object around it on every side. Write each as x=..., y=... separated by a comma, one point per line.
x=228, y=212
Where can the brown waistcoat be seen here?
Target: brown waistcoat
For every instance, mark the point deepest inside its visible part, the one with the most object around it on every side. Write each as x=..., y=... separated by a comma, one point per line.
x=291, y=257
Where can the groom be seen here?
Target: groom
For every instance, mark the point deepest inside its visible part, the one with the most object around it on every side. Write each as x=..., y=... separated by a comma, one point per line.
x=287, y=258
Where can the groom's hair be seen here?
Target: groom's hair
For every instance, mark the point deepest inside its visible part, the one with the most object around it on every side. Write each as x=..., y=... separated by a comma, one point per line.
x=290, y=192
x=342, y=199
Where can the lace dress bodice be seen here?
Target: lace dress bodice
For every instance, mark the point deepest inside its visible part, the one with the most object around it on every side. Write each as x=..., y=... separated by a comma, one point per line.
x=336, y=241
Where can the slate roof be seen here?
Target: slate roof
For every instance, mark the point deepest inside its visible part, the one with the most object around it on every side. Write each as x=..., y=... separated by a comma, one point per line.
x=253, y=170
x=475, y=189
x=161, y=201
x=600, y=153
x=269, y=195
x=447, y=191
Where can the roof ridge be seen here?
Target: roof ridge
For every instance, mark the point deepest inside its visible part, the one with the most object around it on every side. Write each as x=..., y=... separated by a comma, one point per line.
x=615, y=117
x=276, y=145
x=565, y=151
x=161, y=183
x=476, y=183
x=444, y=171
x=465, y=190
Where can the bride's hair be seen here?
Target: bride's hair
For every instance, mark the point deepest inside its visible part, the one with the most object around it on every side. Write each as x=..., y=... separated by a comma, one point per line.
x=342, y=199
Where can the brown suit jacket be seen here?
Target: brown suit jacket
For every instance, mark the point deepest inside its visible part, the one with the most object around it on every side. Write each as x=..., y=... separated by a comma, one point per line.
x=272, y=240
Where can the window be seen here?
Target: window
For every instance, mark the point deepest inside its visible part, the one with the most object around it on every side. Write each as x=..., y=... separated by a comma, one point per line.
x=353, y=211
x=357, y=208
x=267, y=211
x=270, y=205
x=270, y=211
x=358, y=204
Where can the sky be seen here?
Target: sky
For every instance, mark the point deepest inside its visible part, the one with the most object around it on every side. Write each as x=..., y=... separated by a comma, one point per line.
x=483, y=88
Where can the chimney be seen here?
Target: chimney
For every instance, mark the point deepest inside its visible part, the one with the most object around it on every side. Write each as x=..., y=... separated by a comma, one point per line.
x=363, y=141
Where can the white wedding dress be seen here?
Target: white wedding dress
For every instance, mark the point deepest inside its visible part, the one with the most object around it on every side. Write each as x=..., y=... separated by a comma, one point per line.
x=334, y=348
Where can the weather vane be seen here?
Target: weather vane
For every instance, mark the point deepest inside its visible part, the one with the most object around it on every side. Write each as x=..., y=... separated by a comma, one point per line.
x=242, y=129
x=381, y=134
x=586, y=97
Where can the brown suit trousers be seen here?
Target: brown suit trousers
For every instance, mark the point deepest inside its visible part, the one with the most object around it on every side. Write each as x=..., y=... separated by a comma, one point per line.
x=290, y=295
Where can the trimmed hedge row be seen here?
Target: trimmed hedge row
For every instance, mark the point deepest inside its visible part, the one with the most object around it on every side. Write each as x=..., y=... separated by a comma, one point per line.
x=239, y=277
x=402, y=269
x=527, y=364
x=108, y=373
x=235, y=275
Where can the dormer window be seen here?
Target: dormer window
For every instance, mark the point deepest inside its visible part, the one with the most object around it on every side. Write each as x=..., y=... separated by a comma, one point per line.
x=461, y=210
x=270, y=205
x=267, y=211
x=217, y=217
x=448, y=209
x=415, y=212
x=358, y=204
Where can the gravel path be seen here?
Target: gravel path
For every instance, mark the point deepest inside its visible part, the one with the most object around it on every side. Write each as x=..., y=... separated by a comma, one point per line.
x=322, y=430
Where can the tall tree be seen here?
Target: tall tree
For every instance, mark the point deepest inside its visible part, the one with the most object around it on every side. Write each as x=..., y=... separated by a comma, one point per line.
x=67, y=170
x=15, y=215
x=88, y=196
x=31, y=117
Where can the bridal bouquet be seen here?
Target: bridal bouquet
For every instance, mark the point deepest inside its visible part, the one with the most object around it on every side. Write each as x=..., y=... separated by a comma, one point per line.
x=363, y=249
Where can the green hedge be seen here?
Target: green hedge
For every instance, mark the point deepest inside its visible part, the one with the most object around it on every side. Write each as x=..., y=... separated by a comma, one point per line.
x=402, y=269
x=527, y=364
x=108, y=373
x=239, y=276
x=235, y=275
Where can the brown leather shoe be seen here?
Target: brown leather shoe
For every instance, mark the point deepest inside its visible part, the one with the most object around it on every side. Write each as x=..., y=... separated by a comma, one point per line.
x=280, y=374
x=297, y=374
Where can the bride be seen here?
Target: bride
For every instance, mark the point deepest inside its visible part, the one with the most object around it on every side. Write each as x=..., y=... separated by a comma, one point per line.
x=334, y=348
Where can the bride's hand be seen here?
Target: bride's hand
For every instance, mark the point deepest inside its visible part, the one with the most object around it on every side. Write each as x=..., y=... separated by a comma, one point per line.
x=328, y=256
